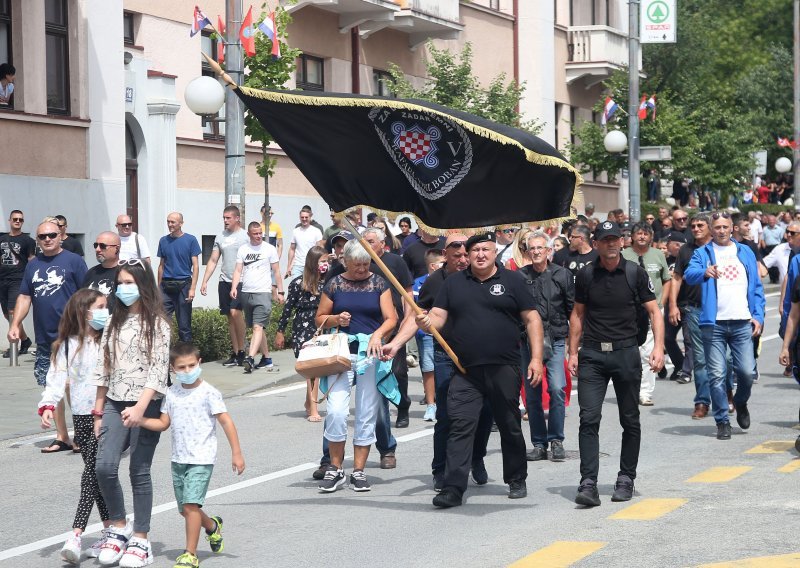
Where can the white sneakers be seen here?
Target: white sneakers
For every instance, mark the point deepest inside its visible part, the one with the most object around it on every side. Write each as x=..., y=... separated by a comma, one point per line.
x=94, y=550
x=138, y=553
x=71, y=551
x=113, y=548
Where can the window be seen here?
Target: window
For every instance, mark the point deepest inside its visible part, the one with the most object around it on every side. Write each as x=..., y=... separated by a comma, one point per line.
x=207, y=245
x=5, y=31
x=127, y=28
x=381, y=84
x=494, y=4
x=211, y=130
x=310, y=73
x=57, y=56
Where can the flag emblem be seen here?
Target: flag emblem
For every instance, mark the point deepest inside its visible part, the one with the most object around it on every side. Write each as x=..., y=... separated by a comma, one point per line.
x=432, y=152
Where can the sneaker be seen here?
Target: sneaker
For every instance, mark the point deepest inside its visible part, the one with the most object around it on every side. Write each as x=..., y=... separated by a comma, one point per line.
x=187, y=560
x=517, y=490
x=333, y=479
x=683, y=378
x=114, y=547
x=265, y=363
x=723, y=430
x=358, y=481
x=438, y=482
x=557, y=452
x=249, y=364
x=319, y=473
x=538, y=453
x=240, y=358
x=232, y=361
x=215, y=538
x=447, y=498
x=7, y=353
x=94, y=550
x=645, y=401
x=71, y=551
x=587, y=494
x=411, y=361
x=25, y=345
x=623, y=489
x=138, y=553
x=479, y=474
x=430, y=413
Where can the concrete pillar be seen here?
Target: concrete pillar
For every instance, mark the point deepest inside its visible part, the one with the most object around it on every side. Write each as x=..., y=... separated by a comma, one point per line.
x=29, y=57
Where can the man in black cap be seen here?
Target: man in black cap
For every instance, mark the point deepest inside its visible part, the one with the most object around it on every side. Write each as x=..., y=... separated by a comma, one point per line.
x=606, y=314
x=485, y=296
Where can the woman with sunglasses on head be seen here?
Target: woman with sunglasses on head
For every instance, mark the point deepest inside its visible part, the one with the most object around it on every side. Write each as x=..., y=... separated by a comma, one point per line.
x=131, y=377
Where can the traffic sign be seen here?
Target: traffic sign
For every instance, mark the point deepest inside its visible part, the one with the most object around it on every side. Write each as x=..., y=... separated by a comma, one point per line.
x=657, y=21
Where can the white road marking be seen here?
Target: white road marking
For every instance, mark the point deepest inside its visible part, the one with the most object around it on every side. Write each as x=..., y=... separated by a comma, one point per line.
x=298, y=386
x=772, y=294
x=39, y=439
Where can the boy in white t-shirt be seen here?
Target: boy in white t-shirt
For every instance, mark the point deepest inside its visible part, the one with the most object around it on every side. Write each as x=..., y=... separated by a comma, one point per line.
x=192, y=407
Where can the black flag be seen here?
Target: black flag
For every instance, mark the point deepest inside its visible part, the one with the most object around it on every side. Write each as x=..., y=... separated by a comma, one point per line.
x=449, y=168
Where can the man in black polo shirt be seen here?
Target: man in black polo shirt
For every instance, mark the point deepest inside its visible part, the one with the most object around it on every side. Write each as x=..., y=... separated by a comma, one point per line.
x=485, y=296
x=605, y=314
x=103, y=276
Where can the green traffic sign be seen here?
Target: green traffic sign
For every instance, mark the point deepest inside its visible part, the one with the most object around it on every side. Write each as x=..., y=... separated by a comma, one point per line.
x=658, y=12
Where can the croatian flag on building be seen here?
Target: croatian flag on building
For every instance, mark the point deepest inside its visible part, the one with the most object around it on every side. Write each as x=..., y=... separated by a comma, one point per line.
x=199, y=21
x=651, y=104
x=609, y=110
x=269, y=28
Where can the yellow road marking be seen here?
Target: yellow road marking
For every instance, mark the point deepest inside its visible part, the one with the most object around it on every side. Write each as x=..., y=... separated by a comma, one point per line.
x=649, y=509
x=793, y=465
x=560, y=554
x=779, y=561
x=772, y=447
x=719, y=474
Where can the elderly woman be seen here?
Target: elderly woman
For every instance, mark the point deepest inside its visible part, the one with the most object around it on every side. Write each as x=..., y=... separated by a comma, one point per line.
x=359, y=303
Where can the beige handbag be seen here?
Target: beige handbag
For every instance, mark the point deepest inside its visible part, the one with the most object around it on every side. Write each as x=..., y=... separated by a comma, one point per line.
x=323, y=355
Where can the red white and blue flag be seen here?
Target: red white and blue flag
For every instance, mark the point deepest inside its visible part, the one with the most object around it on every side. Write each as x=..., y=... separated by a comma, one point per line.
x=269, y=28
x=608, y=110
x=643, y=108
x=786, y=143
x=199, y=21
x=651, y=104
x=220, y=39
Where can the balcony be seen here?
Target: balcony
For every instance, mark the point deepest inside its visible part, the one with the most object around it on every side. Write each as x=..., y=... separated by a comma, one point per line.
x=595, y=52
x=364, y=13
x=427, y=19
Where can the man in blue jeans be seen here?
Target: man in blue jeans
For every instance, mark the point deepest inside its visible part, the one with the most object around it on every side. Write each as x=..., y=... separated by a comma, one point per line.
x=553, y=288
x=732, y=314
x=685, y=303
x=177, y=273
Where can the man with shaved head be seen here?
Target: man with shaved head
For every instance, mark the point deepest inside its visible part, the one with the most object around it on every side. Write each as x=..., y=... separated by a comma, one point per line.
x=103, y=277
x=177, y=273
x=132, y=244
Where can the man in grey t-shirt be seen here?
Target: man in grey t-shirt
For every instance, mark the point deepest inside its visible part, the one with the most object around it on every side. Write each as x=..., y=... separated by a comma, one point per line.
x=226, y=245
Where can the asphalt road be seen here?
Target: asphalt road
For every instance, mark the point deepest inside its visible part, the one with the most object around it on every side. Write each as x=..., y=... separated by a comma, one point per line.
x=698, y=500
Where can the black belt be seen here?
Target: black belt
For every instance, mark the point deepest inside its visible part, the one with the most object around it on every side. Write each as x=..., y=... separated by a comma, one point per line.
x=610, y=345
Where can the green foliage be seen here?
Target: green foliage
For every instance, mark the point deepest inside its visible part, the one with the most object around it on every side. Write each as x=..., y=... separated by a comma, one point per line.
x=771, y=208
x=264, y=72
x=452, y=83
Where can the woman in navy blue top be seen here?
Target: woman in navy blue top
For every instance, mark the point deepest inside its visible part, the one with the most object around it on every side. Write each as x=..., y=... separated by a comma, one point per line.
x=357, y=302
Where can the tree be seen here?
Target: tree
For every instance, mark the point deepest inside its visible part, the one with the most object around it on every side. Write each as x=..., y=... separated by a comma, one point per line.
x=452, y=83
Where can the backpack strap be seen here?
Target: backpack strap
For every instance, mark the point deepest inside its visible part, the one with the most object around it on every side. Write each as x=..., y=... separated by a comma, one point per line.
x=138, y=250
x=632, y=276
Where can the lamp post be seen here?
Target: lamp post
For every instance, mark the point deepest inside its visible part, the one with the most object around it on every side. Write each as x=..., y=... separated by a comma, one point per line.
x=615, y=142
x=796, y=151
x=783, y=165
x=634, y=184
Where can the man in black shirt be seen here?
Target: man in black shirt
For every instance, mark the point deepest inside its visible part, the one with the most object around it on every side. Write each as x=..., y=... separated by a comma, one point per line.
x=605, y=314
x=485, y=296
x=103, y=277
x=415, y=254
x=580, y=252
x=68, y=243
x=16, y=248
x=681, y=361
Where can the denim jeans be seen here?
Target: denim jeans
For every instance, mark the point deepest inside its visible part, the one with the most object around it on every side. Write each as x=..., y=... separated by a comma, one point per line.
x=691, y=327
x=736, y=334
x=542, y=433
x=175, y=302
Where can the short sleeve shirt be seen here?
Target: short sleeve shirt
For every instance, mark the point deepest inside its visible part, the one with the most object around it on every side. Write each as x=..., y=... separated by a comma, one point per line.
x=176, y=254
x=655, y=263
x=128, y=249
x=257, y=267
x=688, y=295
x=228, y=244
x=72, y=245
x=361, y=298
x=104, y=280
x=14, y=254
x=303, y=240
x=193, y=422
x=485, y=316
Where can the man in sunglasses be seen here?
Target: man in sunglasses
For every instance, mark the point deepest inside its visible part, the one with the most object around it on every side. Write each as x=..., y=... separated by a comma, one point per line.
x=778, y=258
x=68, y=243
x=49, y=281
x=132, y=244
x=103, y=276
x=16, y=249
x=680, y=223
x=505, y=244
x=732, y=314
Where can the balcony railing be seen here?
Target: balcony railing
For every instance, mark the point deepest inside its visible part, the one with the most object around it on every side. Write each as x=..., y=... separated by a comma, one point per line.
x=595, y=52
x=440, y=9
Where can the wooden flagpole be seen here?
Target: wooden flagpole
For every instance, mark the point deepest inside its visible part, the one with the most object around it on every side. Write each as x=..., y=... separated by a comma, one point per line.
x=403, y=292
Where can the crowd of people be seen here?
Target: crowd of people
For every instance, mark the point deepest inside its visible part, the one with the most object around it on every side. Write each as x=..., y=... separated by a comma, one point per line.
x=592, y=301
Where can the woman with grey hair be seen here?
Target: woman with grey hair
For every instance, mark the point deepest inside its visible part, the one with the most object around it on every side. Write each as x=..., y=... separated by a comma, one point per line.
x=359, y=303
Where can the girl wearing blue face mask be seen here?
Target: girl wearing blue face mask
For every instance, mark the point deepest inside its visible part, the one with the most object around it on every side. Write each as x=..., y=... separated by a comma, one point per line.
x=76, y=352
x=131, y=379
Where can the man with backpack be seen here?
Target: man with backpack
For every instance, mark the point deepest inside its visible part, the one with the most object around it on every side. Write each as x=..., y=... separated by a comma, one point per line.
x=609, y=295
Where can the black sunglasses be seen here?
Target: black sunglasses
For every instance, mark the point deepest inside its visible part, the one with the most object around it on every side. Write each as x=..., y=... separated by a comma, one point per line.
x=718, y=214
x=125, y=224
x=103, y=246
x=46, y=236
x=792, y=233
x=456, y=244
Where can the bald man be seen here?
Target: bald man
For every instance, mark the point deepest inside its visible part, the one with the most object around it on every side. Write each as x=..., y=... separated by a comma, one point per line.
x=177, y=273
x=103, y=277
x=132, y=244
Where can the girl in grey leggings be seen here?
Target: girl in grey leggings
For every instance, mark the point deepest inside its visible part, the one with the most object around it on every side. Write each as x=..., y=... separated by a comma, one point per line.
x=131, y=380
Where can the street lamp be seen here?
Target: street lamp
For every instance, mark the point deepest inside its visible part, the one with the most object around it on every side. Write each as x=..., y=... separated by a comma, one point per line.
x=204, y=96
x=783, y=165
x=615, y=141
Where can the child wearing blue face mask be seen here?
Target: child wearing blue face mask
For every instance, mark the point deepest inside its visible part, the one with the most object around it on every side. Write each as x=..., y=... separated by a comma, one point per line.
x=75, y=353
x=193, y=407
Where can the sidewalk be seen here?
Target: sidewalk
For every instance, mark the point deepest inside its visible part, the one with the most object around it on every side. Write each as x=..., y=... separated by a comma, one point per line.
x=20, y=393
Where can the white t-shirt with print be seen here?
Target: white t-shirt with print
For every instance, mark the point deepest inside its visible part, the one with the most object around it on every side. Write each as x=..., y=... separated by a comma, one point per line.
x=731, y=285
x=257, y=269
x=304, y=239
x=193, y=417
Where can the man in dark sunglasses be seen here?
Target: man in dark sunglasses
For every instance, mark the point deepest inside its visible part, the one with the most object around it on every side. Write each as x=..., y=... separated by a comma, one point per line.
x=68, y=243
x=16, y=249
x=103, y=276
x=132, y=244
x=49, y=281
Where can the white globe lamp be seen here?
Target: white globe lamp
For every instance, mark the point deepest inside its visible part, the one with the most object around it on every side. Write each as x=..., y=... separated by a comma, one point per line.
x=615, y=141
x=783, y=165
x=204, y=95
